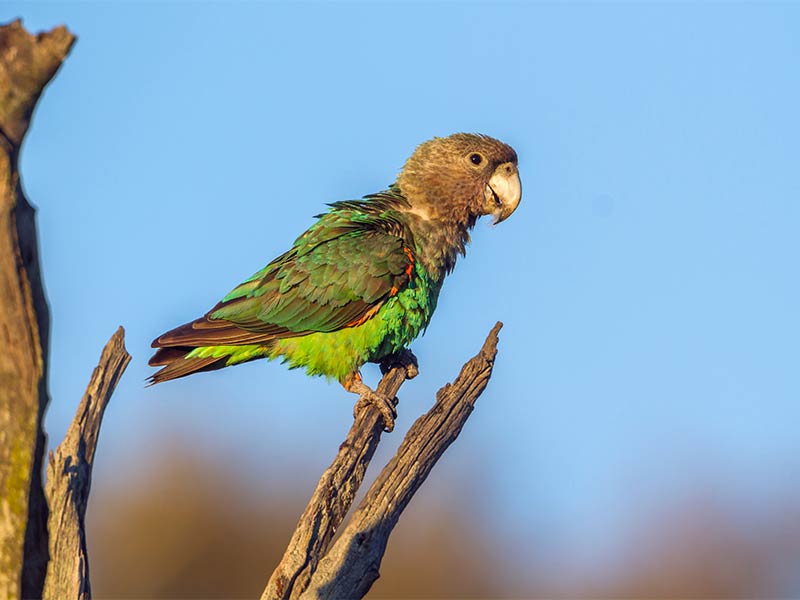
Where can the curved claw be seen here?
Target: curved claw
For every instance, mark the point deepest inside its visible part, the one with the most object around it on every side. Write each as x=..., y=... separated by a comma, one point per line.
x=404, y=358
x=383, y=403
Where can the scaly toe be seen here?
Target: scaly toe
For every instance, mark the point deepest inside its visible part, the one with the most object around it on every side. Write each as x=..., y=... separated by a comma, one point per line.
x=412, y=370
x=367, y=396
x=383, y=403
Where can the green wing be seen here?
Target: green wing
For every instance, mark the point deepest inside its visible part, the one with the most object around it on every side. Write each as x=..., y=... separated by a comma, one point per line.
x=337, y=274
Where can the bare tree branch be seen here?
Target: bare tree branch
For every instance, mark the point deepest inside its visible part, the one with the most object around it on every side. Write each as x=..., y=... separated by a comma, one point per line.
x=332, y=499
x=352, y=565
x=69, y=478
x=27, y=64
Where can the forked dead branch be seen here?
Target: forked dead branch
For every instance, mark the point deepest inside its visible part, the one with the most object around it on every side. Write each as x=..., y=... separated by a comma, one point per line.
x=311, y=567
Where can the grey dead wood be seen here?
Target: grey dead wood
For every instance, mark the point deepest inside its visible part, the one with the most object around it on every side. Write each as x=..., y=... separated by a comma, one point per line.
x=332, y=498
x=69, y=478
x=27, y=64
x=349, y=567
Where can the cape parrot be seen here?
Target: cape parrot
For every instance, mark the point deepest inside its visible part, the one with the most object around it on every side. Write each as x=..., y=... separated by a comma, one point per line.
x=363, y=281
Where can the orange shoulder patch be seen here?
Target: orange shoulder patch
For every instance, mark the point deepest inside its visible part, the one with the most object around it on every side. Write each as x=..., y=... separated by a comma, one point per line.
x=410, y=267
x=365, y=317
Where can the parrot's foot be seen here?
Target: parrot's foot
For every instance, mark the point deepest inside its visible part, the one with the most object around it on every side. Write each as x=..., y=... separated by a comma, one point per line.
x=404, y=358
x=368, y=396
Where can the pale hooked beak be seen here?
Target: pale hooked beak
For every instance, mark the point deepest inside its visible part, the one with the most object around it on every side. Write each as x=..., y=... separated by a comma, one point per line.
x=503, y=192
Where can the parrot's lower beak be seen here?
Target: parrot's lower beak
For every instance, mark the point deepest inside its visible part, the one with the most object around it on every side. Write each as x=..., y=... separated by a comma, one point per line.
x=503, y=192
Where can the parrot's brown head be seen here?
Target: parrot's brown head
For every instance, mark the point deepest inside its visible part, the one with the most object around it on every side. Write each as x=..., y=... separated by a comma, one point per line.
x=462, y=177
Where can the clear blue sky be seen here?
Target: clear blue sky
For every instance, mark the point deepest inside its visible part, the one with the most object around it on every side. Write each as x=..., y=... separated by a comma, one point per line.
x=648, y=283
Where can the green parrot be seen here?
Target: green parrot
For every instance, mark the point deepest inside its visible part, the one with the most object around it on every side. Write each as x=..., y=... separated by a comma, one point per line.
x=363, y=281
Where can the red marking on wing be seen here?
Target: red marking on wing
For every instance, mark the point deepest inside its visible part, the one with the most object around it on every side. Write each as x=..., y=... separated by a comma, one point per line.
x=392, y=292
x=365, y=317
x=410, y=256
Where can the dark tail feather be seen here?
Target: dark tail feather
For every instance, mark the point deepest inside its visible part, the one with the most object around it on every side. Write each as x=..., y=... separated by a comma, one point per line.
x=177, y=365
x=174, y=345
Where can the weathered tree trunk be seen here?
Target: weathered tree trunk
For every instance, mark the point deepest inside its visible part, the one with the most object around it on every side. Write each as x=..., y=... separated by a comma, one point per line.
x=27, y=64
x=30, y=550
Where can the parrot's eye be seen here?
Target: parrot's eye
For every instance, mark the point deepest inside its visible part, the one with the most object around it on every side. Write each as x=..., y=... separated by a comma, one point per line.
x=475, y=158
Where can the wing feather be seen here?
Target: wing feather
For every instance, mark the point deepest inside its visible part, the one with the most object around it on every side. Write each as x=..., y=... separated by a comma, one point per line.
x=337, y=274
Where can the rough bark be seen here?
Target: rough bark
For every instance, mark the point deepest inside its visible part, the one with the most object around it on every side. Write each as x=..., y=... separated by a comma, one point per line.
x=332, y=499
x=69, y=477
x=27, y=64
x=311, y=568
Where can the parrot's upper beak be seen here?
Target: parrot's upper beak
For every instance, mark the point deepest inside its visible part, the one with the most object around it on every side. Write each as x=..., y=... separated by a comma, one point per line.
x=503, y=192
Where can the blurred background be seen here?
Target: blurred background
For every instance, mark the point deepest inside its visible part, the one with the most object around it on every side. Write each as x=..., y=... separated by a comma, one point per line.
x=639, y=437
